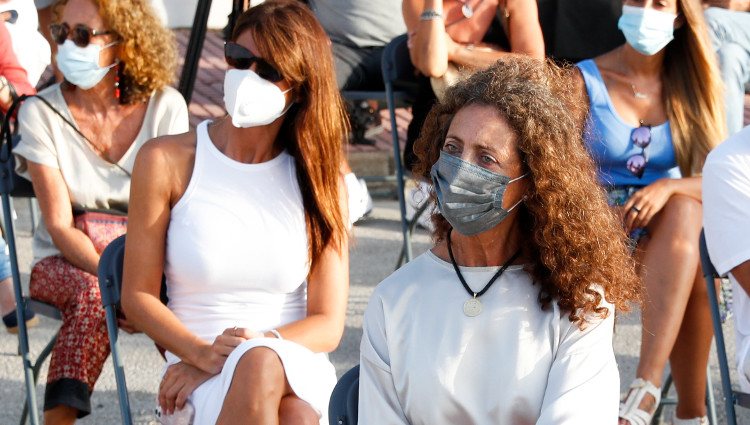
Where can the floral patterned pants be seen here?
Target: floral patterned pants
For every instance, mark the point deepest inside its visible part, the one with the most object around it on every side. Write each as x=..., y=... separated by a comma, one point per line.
x=82, y=346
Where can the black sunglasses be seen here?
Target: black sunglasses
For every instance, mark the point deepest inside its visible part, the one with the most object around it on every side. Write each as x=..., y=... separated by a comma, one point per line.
x=240, y=58
x=641, y=137
x=80, y=34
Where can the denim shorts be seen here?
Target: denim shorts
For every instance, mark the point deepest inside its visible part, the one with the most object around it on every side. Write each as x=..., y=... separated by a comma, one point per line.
x=4, y=260
x=617, y=196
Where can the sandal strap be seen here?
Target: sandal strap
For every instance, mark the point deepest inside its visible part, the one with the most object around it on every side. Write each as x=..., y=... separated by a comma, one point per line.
x=629, y=409
x=694, y=421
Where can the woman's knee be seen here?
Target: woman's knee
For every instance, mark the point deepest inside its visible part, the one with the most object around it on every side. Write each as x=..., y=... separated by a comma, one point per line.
x=260, y=365
x=683, y=212
x=295, y=411
x=680, y=220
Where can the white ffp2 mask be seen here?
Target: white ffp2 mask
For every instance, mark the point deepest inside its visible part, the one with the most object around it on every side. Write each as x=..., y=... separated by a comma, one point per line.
x=250, y=100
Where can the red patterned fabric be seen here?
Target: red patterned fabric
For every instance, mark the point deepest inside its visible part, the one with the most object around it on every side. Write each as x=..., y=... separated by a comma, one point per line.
x=102, y=228
x=82, y=346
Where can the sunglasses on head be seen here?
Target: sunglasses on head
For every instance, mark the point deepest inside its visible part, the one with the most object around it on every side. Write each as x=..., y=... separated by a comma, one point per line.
x=240, y=58
x=641, y=137
x=80, y=34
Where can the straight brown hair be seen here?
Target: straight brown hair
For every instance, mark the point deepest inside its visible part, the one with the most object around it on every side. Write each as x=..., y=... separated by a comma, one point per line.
x=289, y=37
x=693, y=91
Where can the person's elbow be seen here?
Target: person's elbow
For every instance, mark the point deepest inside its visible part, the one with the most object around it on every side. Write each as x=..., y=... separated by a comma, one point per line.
x=434, y=70
x=331, y=337
x=129, y=305
x=430, y=65
x=132, y=305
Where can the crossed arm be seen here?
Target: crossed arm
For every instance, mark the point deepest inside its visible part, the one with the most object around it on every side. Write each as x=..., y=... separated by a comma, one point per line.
x=432, y=48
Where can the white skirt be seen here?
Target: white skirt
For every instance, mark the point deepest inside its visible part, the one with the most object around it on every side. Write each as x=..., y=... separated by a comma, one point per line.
x=311, y=376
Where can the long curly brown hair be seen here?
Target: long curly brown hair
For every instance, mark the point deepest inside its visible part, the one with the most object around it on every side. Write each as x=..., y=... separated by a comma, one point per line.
x=147, y=49
x=574, y=239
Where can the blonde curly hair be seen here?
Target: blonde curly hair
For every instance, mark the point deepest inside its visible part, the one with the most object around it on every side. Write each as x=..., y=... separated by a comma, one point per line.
x=147, y=49
x=573, y=238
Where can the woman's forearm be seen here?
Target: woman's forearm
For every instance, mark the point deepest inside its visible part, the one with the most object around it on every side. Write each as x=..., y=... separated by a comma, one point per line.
x=75, y=246
x=318, y=332
x=149, y=315
x=429, y=44
x=688, y=186
x=475, y=57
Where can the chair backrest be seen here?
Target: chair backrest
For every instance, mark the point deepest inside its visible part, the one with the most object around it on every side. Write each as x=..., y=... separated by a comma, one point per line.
x=110, y=271
x=344, y=404
x=708, y=266
x=731, y=397
x=398, y=71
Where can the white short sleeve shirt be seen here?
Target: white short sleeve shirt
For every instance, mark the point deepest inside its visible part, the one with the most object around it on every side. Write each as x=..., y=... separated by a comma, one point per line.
x=726, y=219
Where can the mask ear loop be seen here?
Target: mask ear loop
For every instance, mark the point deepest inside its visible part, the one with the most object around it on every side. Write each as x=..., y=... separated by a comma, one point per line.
x=517, y=203
x=290, y=103
x=524, y=196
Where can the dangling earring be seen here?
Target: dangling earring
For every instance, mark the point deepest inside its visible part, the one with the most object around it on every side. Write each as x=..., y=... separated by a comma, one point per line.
x=117, y=81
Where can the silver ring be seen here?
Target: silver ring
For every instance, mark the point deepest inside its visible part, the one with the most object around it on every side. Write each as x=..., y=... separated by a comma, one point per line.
x=234, y=331
x=636, y=209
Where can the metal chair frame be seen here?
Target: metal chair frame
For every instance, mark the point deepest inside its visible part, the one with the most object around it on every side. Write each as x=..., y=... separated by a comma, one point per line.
x=110, y=282
x=398, y=79
x=12, y=185
x=732, y=397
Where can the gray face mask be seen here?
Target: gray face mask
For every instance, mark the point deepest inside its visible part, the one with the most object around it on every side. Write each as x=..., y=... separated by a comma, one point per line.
x=469, y=196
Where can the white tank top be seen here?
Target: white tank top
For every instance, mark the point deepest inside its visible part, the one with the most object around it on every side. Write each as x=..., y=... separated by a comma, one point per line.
x=236, y=250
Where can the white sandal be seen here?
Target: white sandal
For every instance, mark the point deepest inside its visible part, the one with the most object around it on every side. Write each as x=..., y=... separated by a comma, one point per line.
x=694, y=421
x=629, y=409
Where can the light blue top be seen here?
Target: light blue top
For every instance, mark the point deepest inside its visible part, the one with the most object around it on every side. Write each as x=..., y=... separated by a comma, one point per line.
x=608, y=139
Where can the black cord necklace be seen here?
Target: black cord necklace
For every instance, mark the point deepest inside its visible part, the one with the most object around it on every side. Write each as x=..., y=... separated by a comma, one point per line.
x=472, y=306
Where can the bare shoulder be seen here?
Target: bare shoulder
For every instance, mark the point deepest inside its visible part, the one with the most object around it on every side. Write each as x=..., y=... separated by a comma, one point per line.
x=609, y=62
x=167, y=162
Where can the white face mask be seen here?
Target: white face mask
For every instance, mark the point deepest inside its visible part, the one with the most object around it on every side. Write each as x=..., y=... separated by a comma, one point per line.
x=646, y=30
x=80, y=65
x=252, y=101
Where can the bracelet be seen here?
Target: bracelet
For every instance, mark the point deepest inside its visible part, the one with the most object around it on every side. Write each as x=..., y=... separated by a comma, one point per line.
x=276, y=333
x=430, y=15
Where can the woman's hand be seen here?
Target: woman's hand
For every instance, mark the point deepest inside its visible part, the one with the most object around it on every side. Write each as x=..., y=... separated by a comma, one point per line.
x=178, y=383
x=225, y=343
x=645, y=203
x=211, y=358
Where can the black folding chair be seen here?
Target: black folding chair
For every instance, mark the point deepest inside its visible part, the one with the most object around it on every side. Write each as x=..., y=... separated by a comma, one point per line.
x=12, y=185
x=110, y=282
x=110, y=285
x=399, y=81
x=344, y=404
x=732, y=398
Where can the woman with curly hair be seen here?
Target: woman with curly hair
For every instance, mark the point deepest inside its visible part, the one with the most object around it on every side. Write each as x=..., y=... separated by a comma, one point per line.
x=657, y=109
x=509, y=317
x=78, y=146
